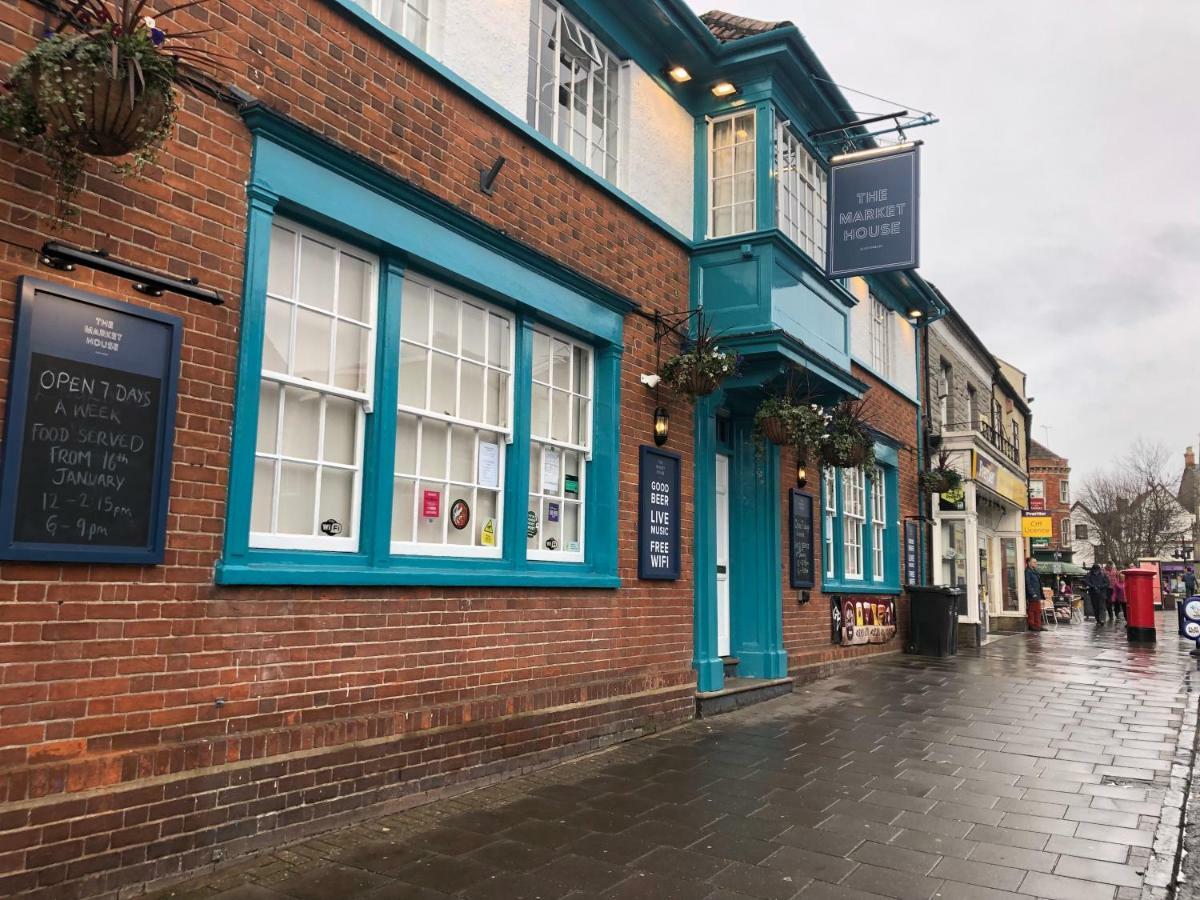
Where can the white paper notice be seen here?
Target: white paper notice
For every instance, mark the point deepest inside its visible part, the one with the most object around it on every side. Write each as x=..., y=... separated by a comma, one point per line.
x=551, y=466
x=489, y=465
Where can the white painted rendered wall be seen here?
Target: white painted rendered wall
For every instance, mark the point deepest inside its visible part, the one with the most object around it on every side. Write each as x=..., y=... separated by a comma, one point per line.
x=903, y=376
x=486, y=43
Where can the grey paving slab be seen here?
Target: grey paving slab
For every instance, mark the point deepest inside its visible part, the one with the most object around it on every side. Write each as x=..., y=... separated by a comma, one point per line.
x=1037, y=767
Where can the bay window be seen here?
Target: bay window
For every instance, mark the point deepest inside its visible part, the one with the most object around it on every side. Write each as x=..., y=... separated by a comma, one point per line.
x=801, y=191
x=731, y=181
x=573, y=90
x=860, y=528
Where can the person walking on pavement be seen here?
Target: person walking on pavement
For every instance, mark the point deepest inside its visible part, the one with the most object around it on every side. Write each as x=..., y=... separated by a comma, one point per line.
x=1110, y=572
x=1033, y=595
x=1189, y=582
x=1119, y=603
x=1097, y=588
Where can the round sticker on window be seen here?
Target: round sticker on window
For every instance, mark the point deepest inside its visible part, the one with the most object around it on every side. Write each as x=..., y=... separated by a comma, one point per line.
x=1192, y=630
x=1191, y=610
x=460, y=514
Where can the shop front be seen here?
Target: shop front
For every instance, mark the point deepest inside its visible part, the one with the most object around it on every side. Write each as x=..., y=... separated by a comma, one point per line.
x=977, y=545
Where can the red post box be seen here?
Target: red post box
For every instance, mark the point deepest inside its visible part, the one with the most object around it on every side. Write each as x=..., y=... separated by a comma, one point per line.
x=1139, y=613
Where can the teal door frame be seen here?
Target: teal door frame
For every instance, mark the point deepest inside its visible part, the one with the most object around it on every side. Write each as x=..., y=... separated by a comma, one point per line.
x=755, y=564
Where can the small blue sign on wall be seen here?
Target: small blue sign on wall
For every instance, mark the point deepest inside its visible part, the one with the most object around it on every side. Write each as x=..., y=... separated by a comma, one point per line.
x=89, y=429
x=873, y=215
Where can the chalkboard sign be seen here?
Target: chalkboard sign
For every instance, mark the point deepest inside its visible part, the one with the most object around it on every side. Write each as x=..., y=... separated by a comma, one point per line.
x=803, y=573
x=658, y=514
x=912, y=570
x=90, y=427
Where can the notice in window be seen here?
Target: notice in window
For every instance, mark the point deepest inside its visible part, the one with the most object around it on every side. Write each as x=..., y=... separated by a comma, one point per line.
x=489, y=464
x=551, y=467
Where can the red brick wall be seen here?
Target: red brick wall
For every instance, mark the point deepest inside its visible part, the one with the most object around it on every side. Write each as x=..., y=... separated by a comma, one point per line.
x=117, y=764
x=1053, y=471
x=807, y=626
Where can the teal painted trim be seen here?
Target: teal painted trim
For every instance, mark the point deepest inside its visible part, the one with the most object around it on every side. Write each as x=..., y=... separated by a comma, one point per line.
x=922, y=496
x=700, y=174
x=859, y=587
x=765, y=213
x=516, y=499
x=710, y=674
x=260, y=212
x=381, y=210
x=780, y=343
x=779, y=242
x=379, y=457
x=604, y=475
x=887, y=455
x=888, y=459
x=357, y=14
x=299, y=571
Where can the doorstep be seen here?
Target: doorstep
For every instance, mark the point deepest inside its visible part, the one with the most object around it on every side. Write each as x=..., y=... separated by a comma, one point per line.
x=739, y=692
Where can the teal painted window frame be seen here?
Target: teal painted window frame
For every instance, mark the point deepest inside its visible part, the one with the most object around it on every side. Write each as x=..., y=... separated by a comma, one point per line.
x=887, y=461
x=321, y=186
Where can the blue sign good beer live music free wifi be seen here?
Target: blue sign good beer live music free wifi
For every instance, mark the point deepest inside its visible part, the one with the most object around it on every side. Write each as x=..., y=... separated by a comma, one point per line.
x=873, y=215
x=89, y=428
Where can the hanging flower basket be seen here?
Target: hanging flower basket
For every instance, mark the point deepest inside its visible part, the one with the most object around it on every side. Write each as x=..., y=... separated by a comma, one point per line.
x=775, y=429
x=940, y=481
x=101, y=84
x=844, y=454
x=848, y=441
x=103, y=115
x=784, y=422
x=701, y=367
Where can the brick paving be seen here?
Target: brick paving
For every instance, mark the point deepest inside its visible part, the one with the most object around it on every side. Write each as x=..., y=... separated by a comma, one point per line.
x=1038, y=766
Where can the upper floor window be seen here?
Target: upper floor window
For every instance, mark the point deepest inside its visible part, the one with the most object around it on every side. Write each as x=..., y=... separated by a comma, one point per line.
x=1081, y=532
x=1066, y=533
x=731, y=174
x=881, y=337
x=573, y=92
x=1016, y=437
x=945, y=382
x=972, y=407
x=800, y=194
x=407, y=17
x=1064, y=491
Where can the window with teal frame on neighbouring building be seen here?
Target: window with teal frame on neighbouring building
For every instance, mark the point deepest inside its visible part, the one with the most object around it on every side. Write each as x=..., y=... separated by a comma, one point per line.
x=419, y=399
x=861, y=527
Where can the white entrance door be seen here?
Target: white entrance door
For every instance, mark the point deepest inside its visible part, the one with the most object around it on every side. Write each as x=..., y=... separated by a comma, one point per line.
x=722, y=555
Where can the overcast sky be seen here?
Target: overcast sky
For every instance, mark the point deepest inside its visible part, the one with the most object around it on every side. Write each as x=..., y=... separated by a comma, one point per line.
x=1060, y=192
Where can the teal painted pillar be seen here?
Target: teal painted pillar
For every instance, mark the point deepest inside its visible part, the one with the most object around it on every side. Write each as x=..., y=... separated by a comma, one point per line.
x=710, y=673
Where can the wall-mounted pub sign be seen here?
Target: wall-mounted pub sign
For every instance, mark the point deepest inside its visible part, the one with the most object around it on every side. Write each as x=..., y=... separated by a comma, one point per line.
x=862, y=620
x=89, y=429
x=873, y=214
x=800, y=519
x=658, y=514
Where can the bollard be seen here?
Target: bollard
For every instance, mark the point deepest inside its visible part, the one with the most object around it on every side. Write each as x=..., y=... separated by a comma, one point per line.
x=1139, y=611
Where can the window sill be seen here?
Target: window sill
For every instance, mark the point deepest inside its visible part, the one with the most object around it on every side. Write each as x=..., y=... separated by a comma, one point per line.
x=446, y=574
x=829, y=586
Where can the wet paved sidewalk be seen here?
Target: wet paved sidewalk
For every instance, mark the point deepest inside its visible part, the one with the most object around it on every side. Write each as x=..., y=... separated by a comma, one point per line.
x=1038, y=766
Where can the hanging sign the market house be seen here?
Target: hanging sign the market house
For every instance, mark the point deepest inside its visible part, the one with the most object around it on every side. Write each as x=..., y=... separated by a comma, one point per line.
x=873, y=213
x=658, y=514
x=89, y=430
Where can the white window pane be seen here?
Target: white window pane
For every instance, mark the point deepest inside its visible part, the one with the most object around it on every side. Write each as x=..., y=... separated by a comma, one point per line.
x=353, y=288
x=471, y=392
x=268, y=416
x=743, y=158
x=722, y=221
x=434, y=436
x=414, y=312
x=486, y=506
x=562, y=364
x=403, y=494
x=264, y=494
x=313, y=335
x=317, y=262
x=722, y=133
x=277, y=336
x=541, y=357
x=497, y=399
x=473, y=320
x=443, y=384
x=743, y=219
x=281, y=267
x=582, y=411
x=722, y=163
x=743, y=126
x=413, y=375
x=301, y=423
x=350, y=370
x=297, y=498
x=560, y=416
x=571, y=530
x=337, y=500
x=406, y=444
x=579, y=374
x=552, y=516
x=499, y=340
x=722, y=192
x=462, y=454
x=743, y=187
x=445, y=322
x=415, y=28
x=341, y=428
x=540, y=424
x=534, y=524
x=429, y=529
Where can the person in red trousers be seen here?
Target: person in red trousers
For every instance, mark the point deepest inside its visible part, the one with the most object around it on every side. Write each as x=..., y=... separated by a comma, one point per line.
x=1033, y=595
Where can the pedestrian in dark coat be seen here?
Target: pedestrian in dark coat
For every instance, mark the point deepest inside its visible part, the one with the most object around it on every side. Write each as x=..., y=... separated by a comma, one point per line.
x=1189, y=582
x=1098, y=590
x=1033, y=595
